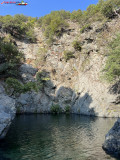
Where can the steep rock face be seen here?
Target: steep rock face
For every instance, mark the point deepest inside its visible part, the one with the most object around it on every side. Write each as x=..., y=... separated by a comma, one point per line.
x=112, y=139
x=80, y=76
x=7, y=111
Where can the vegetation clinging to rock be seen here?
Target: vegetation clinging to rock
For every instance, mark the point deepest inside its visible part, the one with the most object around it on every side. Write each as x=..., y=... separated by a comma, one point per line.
x=77, y=45
x=11, y=58
x=19, y=87
x=67, y=109
x=112, y=68
x=68, y=55
x=19, y=26
x=53, y=23
x=55, y=109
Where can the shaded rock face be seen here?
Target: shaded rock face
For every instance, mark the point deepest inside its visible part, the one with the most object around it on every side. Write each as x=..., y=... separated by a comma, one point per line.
x=32, y=102
x=7, y=112
x=112, y=140
x=27, y=72
x=76, y=82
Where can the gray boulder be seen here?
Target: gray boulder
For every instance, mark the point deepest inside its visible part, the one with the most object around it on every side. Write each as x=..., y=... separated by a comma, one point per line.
x=112, y=139
x=7, y=112
x=27, y=72
x=26, y=68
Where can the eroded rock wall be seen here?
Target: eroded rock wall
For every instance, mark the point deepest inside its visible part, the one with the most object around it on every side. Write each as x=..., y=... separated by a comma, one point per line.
x=77, y=82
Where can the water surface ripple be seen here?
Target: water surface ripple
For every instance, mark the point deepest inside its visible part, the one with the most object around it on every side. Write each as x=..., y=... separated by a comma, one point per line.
x=56, y=137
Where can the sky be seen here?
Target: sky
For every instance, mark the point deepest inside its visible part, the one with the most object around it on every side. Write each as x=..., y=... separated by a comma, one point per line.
x=38, y=8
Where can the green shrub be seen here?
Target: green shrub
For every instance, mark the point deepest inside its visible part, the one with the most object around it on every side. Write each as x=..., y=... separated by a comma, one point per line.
x=30, y=35
x=108, y=8
x=30, y=86
x=53, y=23
x=55, y=109
x=112, y=68
x=12, y=58
x=77, y=45
x=67, y=109
x=76, y=15
x=10, y=52
x=85, y=28
x=19, y=87
x=68, y=55
x=19, y=26
x=15, y=84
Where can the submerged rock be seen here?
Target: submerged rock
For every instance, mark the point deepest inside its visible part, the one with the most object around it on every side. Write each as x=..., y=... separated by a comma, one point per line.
x=112, y=139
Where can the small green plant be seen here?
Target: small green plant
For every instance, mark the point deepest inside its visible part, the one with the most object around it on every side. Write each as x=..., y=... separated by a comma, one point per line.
x=68, y=55
x=42, y=77
x=77, y=45
x=67, y=109
x=55, y=109
x=85, y=28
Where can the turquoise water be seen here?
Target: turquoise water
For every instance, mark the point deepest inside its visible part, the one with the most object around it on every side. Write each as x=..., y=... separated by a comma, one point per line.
x=56, y=137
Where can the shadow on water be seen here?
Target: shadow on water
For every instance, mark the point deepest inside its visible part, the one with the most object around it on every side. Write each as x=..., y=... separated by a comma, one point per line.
x=56, y=137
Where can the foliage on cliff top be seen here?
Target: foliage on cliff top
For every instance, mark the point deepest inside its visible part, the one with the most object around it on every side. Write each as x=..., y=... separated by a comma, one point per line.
x=53, y=23
x=19, y=26
x=112, y=68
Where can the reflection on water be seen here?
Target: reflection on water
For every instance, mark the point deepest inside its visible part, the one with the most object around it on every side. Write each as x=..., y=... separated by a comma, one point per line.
x=56, y=137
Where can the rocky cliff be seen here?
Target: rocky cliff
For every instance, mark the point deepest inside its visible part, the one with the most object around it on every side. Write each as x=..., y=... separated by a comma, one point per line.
x=76, y=82
x=7, y=111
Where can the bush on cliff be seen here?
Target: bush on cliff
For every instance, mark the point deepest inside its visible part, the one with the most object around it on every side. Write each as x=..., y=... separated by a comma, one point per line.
x=19, y=87
x=77, y=45
x=112, y=68
x=76, y=15
x=68, y=55
x=55, y=109
x=19, y=26
x=53, y=23
x=11, y=58
x=108, y=8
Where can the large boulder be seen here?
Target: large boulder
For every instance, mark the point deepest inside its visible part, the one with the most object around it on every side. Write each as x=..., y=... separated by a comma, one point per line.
x=32, y=102
x=112, y=139
x=7, y=112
